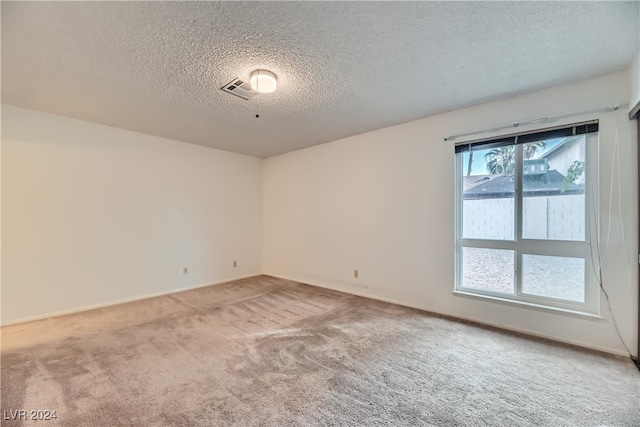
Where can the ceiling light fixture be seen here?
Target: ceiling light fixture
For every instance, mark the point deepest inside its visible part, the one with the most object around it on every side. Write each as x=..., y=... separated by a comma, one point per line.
x=263, y=81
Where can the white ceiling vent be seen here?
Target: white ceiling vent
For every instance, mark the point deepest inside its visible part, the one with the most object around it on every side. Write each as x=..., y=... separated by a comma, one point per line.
x=240, y=88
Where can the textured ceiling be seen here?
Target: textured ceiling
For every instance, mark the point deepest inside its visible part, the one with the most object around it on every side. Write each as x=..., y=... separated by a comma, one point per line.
x=343, y=67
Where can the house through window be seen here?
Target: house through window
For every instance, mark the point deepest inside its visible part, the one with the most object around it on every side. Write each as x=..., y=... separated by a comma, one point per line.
x=524, y=213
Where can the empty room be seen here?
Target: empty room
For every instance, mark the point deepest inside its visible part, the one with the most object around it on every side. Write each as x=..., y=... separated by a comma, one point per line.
x=319, y=213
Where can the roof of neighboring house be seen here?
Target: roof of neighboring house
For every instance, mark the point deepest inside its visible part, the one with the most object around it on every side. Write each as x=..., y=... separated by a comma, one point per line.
x=555, y=149
x=472, y=181
x=498, y=186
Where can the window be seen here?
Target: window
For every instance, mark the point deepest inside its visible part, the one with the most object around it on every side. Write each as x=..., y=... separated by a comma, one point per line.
x=523, y=213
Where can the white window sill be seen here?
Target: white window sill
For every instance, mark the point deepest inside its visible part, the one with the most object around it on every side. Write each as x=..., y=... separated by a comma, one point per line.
x=525, y=304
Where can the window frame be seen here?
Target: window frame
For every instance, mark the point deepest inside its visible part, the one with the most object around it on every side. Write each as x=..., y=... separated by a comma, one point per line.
x=528, y=246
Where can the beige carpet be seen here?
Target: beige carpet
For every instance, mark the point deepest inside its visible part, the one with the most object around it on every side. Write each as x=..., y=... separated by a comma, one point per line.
x=268, y=352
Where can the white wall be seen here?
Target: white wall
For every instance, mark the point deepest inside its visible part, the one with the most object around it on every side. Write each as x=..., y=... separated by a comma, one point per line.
x=383, y=203
x=548, y=217
x=93, y=215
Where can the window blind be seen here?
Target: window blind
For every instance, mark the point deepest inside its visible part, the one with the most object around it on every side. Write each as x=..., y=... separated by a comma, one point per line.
x=525, y=137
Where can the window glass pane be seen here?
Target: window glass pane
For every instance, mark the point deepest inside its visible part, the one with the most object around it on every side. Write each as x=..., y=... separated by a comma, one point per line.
x=555, y=277
x=553, y=181
x=488, y=269
x=488, y=193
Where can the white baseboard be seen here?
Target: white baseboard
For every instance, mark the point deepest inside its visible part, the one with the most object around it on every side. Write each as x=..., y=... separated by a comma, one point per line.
x=334, y=288
x=122, y=301
x=468, y=319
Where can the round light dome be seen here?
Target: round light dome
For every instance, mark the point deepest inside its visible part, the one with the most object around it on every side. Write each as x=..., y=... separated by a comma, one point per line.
x=263, y=81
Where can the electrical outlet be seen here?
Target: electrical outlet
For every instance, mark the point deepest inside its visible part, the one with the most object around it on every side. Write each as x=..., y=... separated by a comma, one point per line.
x=235, y=264
x=355, y=274
x=185, y=270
